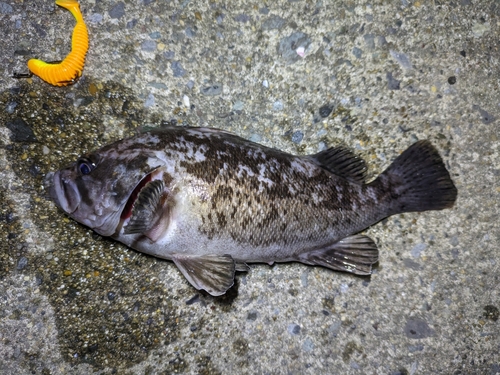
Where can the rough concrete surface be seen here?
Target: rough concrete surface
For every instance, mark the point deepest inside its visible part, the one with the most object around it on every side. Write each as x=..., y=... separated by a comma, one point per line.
x=297, y=75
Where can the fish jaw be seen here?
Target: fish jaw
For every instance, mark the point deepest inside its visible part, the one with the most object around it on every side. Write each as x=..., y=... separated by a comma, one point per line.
x=63, y=192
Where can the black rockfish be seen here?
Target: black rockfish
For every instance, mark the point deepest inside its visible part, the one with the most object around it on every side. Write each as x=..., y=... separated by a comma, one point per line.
x=212, y=202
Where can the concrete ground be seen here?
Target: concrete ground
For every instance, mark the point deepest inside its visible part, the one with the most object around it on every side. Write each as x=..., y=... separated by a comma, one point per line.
x=296, y=75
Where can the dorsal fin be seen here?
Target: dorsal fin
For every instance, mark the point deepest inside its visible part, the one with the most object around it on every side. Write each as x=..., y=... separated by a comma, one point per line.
x=341, y=162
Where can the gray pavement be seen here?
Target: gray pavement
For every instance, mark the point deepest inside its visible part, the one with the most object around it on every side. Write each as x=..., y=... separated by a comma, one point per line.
x=296, y=75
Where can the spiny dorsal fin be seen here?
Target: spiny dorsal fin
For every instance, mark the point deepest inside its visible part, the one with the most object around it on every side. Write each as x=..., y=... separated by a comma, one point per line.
x=355, y=254
x=145, y=209
x=341, y=162
x=213, y=273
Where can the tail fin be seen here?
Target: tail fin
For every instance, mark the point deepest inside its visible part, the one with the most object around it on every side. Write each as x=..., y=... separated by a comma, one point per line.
x=418, y=180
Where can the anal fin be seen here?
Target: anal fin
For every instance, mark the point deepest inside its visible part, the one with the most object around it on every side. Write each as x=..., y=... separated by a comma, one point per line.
x=213, y=273
x=242, y=267
x=355, y=254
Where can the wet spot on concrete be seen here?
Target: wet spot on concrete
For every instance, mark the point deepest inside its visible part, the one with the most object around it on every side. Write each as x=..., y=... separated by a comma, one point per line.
x=21, y=131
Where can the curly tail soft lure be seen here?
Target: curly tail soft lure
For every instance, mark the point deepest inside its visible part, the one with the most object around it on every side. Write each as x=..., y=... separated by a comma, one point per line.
x=68, y=71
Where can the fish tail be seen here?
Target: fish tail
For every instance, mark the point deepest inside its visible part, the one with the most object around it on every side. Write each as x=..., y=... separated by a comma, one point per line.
x=418, y=181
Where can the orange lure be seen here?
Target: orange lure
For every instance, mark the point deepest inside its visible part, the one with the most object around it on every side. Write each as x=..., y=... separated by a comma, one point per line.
x=70, y=69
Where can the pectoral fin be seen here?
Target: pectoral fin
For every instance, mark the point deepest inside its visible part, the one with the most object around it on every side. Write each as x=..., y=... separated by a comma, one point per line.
x=213, y=273
x=355, y=254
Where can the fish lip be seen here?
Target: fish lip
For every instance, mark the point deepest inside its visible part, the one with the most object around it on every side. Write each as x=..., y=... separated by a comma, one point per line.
x=62, y=192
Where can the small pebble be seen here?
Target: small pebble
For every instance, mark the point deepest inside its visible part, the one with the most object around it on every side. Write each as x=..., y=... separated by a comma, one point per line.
x=392, y=83
x=486, y=118
x=10, y=107
x=190, y=33
x=5, y=8
x=416, y=251
x=22, y=263
x=417, y=328
x=252, y=316
x=274, y=22
x=150, y=101
x=212, y=90
x=255, y=138
x=308, y=345
x=402, y=59
x=132, y=23
x=177, y=69
x=169, y=55
x=278, y=105
x=297, y=136
x=238, y=105
x=325, y=110
x=117, y=11
x=148, y=46
x=357, y=52
x=94, y=18
x=304, y=279
x=369, y=41
x=185, y=101
x=452, y=80
x=344, y=288
x=242, y=18
x=479, y=29
x=290, y=46
x=293, y=329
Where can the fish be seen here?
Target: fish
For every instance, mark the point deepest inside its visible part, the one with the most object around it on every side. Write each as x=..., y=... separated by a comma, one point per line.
x=213, y=202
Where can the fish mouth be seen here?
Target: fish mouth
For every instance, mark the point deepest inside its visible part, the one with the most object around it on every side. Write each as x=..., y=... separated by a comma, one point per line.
x=63, y=192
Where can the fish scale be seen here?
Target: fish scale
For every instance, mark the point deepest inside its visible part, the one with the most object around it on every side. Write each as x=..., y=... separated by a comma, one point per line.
x=212, y=202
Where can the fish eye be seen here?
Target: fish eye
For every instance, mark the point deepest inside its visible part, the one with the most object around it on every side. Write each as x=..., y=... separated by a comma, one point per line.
x=85, y=166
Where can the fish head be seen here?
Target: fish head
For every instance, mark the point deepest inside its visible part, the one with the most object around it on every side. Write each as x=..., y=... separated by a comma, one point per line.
x=99, y=189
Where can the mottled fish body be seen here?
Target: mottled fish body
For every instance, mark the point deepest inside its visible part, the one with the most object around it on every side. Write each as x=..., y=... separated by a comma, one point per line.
x=213, y=202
